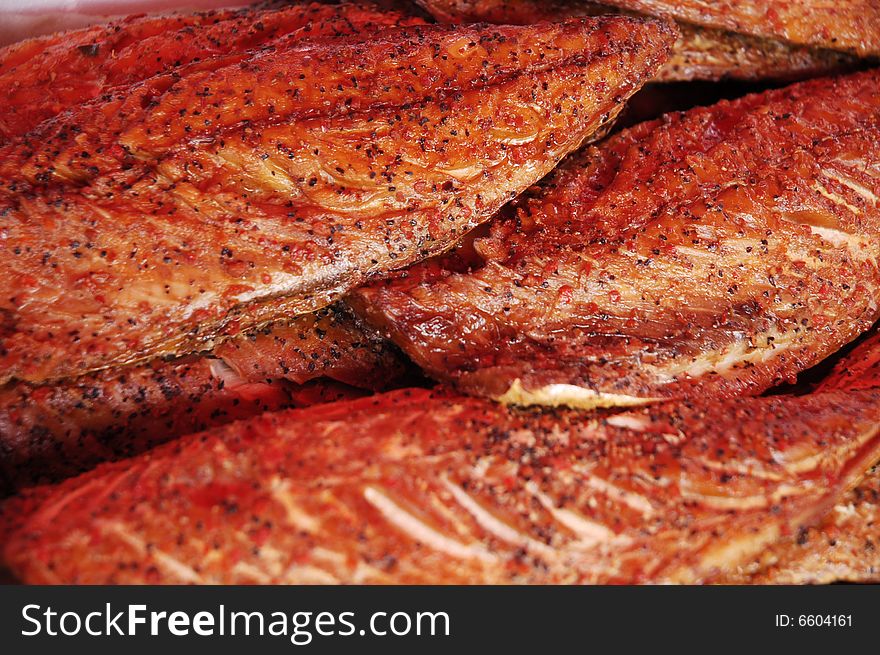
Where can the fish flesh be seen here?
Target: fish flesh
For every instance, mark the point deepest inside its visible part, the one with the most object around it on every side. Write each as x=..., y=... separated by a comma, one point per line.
x=42, y=77
x=847, y=25
x=638, y=496
x=700, y=53
x=719, y=251
x=179, y=211
x=703, y=491
x=420, y=486
x=859, y=369
x=844, y=547
x=706, y=54
x=48, y=432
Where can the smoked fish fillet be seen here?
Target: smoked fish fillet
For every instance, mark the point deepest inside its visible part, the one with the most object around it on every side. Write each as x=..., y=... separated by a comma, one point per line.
x=858, y=369
x=718, y=251
x=415, y=486
x=845, y=546
x=700, y=53
x=52, y=431
x=706, y=54
x=181, y=210
x=42, y=77
x=848, y=25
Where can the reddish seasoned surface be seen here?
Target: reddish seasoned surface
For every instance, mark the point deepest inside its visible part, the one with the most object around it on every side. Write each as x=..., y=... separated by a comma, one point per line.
x=859, y=369
x=57, y=430
x=183, y=210
x=844, y=547
x=329, y=343
x=43, y=77
x=418, y=487
x=851, y=25
x=718, y=251
x=508, y=12
x=701, y=53
x=706, y=54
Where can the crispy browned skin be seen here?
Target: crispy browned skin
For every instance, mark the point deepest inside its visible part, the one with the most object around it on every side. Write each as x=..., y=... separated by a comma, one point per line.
x=52, y=431
x=43, y=77
x=717, y=251
x=700, y=53
x=850, y=25
x=156, y=221
x=411, y=487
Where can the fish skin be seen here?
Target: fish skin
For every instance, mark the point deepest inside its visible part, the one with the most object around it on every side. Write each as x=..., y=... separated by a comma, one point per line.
x=700, y=53
x=47, y=75
x=415, y=486
x=48, y=432
x=249, y=222
x=631, y=274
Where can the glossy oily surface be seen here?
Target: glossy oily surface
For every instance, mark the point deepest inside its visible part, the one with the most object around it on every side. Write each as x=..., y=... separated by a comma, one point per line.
x=700, y=53
x=717, y=251
x=48, y=432
x=419, y=487
x=42, y=77
x=192, y=206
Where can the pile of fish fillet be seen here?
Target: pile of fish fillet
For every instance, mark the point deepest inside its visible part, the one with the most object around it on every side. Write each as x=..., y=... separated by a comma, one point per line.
x=410, y=293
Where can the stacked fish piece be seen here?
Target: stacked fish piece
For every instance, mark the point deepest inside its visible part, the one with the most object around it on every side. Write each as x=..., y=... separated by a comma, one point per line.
x=239, y=244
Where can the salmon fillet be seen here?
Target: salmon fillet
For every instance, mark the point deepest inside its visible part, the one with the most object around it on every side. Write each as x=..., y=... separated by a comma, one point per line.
x=52, y=431
x=700, y=53
x=717, y=251
x=186, y=208
x=416, y=486
x=44, y=76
